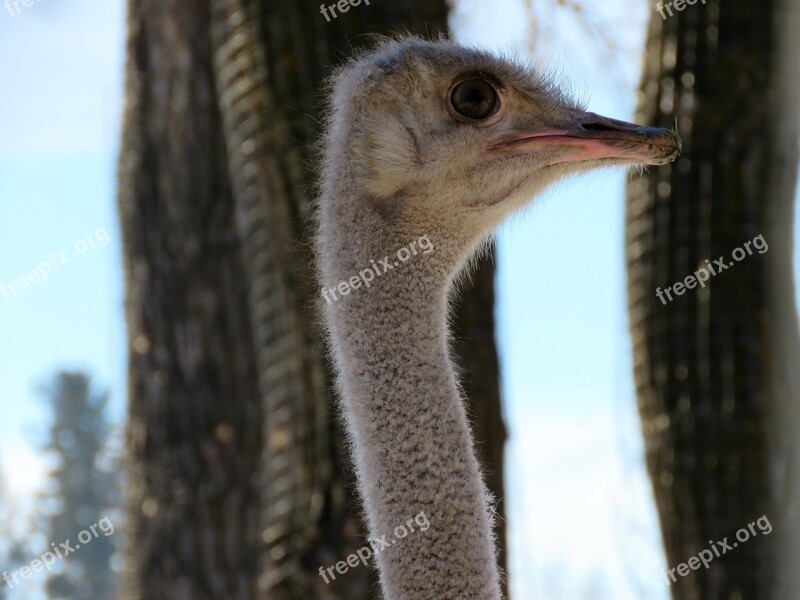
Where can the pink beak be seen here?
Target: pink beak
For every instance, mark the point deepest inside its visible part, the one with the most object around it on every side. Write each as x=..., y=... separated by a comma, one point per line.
x=594, y=137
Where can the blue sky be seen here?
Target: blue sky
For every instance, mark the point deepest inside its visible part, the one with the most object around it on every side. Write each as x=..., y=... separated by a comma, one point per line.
x=580, y=514
x=581, y=520
x=61, y=68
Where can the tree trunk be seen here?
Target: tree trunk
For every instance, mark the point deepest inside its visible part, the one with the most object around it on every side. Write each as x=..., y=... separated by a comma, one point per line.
x=240, y=483
x=716, y=366
x=194, y=430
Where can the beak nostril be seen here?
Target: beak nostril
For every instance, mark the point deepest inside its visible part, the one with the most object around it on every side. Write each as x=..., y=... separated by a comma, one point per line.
x=598, y=127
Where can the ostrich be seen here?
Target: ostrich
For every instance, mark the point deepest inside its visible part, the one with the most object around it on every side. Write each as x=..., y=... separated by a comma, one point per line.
x=431, y=140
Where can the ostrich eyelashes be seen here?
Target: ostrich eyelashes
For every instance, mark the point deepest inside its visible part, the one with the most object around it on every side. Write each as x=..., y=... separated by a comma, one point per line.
x=474, y=99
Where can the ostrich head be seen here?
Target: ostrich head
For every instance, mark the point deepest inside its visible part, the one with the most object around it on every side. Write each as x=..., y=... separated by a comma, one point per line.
x=430, y=139
x=445, y=140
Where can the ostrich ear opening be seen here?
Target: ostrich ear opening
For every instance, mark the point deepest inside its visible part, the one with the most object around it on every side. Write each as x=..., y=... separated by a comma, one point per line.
x=392, y=155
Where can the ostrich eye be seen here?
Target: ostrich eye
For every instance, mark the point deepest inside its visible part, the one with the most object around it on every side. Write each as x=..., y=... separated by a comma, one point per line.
x=474, y=99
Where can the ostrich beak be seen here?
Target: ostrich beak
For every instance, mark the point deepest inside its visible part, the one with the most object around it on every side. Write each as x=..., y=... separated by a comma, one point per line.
x=593, y=137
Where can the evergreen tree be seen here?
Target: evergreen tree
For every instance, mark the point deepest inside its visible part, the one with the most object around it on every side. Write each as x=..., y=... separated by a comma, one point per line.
x=83, y=490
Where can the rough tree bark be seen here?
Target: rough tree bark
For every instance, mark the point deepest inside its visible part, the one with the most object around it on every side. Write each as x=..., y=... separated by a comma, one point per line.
x=240, y=486
x=194, y=431
x=716, y=368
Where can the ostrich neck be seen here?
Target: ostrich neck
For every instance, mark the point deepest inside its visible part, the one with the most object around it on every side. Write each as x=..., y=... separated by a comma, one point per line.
x=411, y=441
